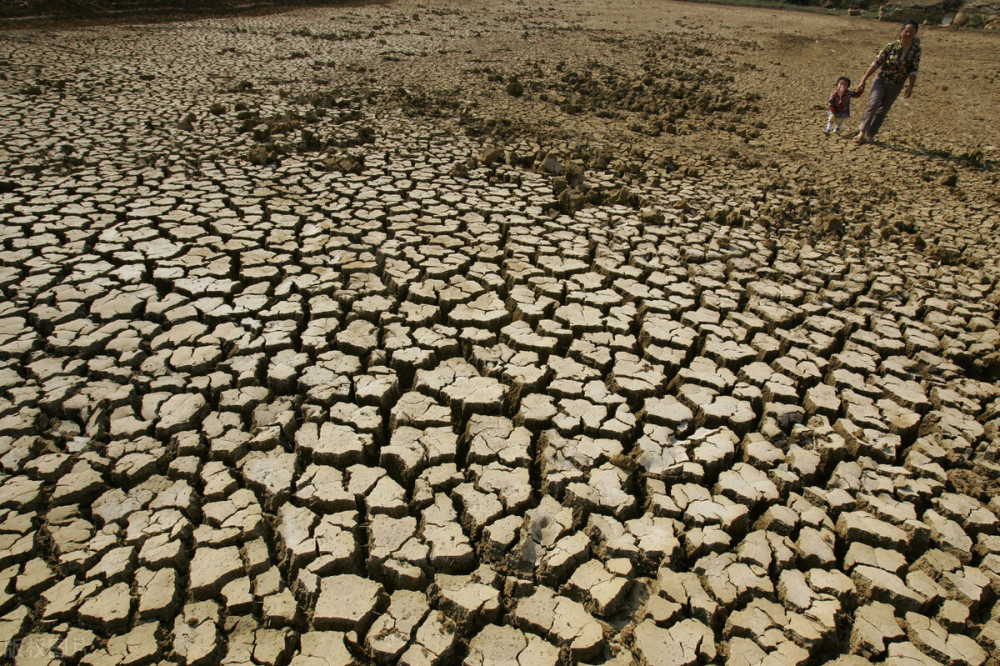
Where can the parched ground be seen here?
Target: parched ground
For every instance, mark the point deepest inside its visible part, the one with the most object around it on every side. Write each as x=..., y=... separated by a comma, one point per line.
x=441, y=332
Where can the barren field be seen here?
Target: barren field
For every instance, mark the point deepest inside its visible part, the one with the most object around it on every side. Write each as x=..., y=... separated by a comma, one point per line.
x=442, y=332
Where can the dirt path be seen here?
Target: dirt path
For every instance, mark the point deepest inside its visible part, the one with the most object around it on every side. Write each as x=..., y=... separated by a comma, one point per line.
x=448, y=332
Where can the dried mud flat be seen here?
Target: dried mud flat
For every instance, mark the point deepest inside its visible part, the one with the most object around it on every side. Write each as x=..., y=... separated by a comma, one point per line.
x=445, y=333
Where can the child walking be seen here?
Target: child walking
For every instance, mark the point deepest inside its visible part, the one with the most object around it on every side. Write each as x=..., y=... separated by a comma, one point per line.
x=840, y=104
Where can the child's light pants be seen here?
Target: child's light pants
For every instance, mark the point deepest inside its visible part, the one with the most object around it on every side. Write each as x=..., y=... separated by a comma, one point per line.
x=834, y=123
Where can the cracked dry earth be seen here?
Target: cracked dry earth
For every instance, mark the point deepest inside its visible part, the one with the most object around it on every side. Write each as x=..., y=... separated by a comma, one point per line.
x=446, y=333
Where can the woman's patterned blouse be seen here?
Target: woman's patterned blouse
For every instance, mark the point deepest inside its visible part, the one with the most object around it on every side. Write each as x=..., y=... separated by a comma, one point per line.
x=898, y=63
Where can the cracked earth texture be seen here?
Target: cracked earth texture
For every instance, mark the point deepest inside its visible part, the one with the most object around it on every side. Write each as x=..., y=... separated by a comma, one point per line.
x=447, y=333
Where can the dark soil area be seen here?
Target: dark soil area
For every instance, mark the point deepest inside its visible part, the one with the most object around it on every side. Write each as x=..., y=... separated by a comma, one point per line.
x=35, y=12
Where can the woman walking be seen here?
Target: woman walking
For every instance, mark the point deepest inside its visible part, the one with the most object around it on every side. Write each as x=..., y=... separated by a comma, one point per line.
x=897, y=65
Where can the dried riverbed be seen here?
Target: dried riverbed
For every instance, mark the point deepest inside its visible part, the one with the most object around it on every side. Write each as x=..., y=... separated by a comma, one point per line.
x=446, y=333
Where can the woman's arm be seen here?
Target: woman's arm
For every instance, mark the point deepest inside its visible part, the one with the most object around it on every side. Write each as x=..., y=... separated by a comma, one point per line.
x=877, y=63
x=913, y=72
x=871, y=70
